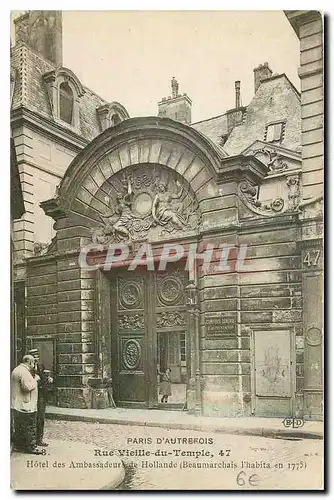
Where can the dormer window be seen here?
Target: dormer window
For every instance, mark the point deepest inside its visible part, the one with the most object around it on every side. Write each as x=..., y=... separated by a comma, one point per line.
x=115, y=119
x=274, y=132
x=65, y=91
x=111, y=114
x=66, y=102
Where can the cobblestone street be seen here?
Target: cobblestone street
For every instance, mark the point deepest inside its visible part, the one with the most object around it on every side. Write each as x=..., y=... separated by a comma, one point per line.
x=228, y=461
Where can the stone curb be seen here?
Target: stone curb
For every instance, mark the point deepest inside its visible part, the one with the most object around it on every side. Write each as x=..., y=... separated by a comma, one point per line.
x=246, y=431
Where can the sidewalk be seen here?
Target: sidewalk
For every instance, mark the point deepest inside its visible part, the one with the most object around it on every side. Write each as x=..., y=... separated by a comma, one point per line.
x=67, y=465
x=252, y=426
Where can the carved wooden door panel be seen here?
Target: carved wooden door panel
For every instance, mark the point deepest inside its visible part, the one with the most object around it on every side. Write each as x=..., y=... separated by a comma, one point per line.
x=148, y=318
x=129, y=339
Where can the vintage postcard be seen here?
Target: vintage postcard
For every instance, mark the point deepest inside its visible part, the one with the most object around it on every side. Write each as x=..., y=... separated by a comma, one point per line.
x=167, y=250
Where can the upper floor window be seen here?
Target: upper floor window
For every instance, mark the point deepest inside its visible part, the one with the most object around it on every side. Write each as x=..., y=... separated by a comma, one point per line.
x=64, y=90
x=115, y=119
x=66, y=102
x=111, y=114
x=274, y=132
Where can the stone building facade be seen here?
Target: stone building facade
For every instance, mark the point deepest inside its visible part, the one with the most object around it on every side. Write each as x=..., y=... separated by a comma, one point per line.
x=237, y=335
x=17, y=210
x=308, y=26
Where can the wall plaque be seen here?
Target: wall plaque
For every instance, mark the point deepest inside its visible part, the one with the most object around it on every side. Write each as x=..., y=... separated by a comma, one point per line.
x=219, y=326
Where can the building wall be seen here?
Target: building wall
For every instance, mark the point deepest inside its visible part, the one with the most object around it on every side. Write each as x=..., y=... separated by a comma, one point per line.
x=311, y=75
x=62, y=302
x=275, y=100
x=42, y=162
x=308, y=26
x=277, y=292
x=266, y=295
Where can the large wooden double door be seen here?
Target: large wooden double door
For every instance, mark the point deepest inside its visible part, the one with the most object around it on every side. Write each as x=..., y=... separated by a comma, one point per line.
x=148, y=329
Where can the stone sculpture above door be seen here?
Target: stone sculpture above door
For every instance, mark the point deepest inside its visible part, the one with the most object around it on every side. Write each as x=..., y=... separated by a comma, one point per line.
x=145, y=201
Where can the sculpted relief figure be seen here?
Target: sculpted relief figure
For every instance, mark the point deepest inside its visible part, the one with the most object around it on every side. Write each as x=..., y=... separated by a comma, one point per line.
x=151, y=201
x=119, y=229
x=124, y=210
x=163, y=210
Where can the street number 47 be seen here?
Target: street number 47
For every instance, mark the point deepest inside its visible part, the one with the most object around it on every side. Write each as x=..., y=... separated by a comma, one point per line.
x=311, y=259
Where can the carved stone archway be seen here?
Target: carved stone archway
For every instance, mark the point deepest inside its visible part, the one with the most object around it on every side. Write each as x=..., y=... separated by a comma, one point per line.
x=152, y=141
x=171, y=169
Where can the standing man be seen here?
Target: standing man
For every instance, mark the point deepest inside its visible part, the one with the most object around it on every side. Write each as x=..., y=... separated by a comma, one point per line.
x=44, y=385
x=24, y=391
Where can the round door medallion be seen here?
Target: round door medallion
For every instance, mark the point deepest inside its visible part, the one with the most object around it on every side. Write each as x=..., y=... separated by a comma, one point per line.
x=130, y=295
x=131, y=354
x=170, y=290
x=313, y=336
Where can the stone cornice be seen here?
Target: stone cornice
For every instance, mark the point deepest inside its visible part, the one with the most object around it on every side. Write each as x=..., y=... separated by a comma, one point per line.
x=279, y=220
x=305, y=71
x=53, y=208
x=287, y=153
x=178, y=98
x=239, y=168
x=22, y=115
x=299, y=17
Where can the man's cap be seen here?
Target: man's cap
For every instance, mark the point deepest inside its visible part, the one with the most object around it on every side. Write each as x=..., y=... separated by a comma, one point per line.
x=33, y=351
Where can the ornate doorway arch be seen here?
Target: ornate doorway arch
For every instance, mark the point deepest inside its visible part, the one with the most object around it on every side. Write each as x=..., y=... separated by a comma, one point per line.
x=137, y=141
x=142, y=179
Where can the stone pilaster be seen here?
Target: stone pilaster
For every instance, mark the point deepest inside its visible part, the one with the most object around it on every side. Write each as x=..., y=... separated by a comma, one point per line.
x=308, y=26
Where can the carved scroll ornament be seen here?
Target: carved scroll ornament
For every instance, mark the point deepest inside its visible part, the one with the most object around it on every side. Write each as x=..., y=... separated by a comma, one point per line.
x=272, y=159
x=249, y=196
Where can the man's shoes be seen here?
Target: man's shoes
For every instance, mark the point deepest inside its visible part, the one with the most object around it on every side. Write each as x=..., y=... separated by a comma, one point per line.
x=42, y=444
x=33, y=451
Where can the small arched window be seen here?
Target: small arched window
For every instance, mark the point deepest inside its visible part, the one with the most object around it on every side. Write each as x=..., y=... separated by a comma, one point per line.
x=66, y=102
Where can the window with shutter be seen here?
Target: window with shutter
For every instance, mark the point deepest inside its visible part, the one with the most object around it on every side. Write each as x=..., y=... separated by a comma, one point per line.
x=274, y=132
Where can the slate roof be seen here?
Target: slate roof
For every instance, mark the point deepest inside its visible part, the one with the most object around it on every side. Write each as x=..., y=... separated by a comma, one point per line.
x=275, y=100
x=27, y=68
x=213, y=128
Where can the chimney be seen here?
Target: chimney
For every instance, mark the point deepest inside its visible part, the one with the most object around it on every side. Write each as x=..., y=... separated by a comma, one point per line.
x=235, y=116
x=41, y=30
x=177, y=106
x=237, y=94
x=261, y=73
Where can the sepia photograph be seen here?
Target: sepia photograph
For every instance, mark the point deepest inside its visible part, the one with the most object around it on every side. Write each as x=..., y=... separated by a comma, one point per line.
x=166, y=247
